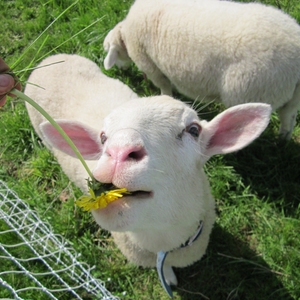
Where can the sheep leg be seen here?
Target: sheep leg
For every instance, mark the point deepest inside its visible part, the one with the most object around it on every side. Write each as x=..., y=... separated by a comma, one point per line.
x=154, y=74
x=161, y=81
x=287, y=115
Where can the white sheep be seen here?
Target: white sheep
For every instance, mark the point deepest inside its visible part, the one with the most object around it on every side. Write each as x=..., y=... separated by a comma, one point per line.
x=215, y=50
x=155, y=147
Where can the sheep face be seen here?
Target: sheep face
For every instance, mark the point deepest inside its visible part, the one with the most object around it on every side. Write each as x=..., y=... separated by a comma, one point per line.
x=116, y=50
x=156, y=147
x=154, y=151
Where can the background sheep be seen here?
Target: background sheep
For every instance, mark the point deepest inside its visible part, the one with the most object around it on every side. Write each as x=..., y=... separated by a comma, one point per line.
x=217, y=50
x=155, y=147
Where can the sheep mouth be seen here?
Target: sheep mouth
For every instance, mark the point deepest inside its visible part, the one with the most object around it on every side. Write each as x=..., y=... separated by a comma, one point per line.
x=139, y=194
x=136, y=194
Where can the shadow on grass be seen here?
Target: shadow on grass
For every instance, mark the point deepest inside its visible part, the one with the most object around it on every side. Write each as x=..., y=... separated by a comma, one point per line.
x=272, y=169
x=221, y=274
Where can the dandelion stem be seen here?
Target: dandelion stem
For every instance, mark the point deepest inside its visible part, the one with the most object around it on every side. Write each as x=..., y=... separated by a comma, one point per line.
x=55, y=125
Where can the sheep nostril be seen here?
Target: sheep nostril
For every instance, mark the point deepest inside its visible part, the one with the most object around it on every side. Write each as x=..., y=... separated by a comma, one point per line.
x=137, y=155
x=122, y=154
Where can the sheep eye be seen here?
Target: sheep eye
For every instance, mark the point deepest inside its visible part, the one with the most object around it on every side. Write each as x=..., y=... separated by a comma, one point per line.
x=194, y=130
x=103, y=137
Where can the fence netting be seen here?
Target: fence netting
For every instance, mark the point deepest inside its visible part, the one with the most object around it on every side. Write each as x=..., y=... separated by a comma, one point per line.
x=29, y=245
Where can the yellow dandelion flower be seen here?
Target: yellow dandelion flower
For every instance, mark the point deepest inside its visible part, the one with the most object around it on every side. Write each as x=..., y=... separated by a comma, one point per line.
x=90, y=202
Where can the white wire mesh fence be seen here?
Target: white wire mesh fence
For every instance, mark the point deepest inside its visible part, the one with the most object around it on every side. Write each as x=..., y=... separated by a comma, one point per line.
x=30, y=245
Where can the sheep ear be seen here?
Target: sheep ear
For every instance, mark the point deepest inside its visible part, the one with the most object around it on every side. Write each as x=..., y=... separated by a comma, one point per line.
x=235, y=128
x=111, y=58
x=85, y=138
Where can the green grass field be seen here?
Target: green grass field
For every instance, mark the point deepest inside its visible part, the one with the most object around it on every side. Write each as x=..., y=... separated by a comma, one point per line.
x=254, y=252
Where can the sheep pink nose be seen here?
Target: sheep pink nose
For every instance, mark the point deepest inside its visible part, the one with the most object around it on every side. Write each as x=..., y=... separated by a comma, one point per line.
x=126, y=153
